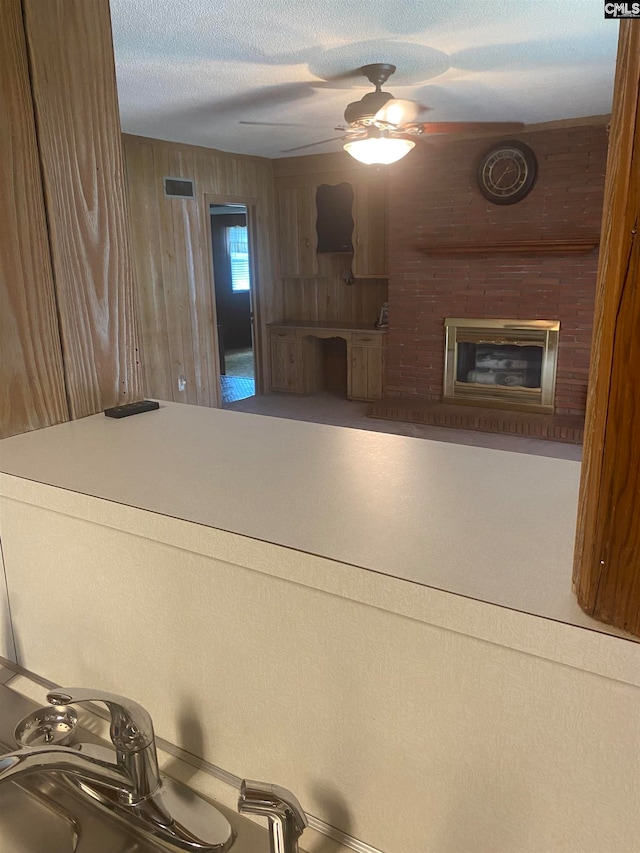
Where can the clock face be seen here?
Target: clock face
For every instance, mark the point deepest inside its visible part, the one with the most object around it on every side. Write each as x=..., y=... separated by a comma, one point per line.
x=507, y=172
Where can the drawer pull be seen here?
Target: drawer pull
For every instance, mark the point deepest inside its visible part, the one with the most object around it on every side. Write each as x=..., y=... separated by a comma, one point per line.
x=282, y=334
x=365, y=339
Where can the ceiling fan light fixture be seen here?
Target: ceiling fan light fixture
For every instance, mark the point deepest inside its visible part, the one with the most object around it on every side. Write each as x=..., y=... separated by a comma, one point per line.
x=380, y=149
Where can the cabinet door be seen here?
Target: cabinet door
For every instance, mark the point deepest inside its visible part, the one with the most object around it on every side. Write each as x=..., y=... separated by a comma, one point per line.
x=366, y=371
x=286, y=362
x=297, y=231
x=370, y=244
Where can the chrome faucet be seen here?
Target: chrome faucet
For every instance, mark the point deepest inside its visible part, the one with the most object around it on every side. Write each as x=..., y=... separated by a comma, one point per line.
x=131, y=787
x=287, y=819
x=132, y=736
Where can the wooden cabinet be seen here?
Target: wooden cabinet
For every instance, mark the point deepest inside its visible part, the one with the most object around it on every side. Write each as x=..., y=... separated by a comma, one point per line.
x=370, y=230
x=286, y=361
x=366, y=366
x=297, y=360
x=296, y=211
x=360, y=227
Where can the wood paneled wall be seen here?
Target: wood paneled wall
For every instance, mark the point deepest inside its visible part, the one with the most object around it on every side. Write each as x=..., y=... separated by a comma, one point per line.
x=173, y=261
x=328, y=296
x=67, y=323
x=32, y=391
x=74, y=92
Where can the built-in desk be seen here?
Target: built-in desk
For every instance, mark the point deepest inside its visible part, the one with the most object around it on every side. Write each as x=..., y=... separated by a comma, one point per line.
x=297, y=364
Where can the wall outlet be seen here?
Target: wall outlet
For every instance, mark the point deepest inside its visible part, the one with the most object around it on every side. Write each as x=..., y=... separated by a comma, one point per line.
x=182, y=383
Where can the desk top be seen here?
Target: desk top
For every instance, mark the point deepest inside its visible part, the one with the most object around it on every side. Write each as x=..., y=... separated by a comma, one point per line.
x=327, y=325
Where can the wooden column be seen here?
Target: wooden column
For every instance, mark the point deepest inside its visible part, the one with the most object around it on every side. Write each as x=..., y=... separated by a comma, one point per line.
x=607, y=558
x=31, y=376
x=74, y=92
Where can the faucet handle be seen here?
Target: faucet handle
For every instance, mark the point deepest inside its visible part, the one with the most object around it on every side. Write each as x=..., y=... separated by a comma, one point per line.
x=131, y=725
x=287, y=819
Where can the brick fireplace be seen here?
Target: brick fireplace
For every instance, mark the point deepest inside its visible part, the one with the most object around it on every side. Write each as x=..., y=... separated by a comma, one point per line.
x=438, y=225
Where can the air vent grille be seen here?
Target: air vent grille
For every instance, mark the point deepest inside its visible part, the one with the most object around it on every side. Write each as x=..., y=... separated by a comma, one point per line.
x=178, y=188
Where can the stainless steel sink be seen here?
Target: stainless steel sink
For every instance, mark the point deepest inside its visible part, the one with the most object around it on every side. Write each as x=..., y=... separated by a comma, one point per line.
x=44, y=815
x=29, y=823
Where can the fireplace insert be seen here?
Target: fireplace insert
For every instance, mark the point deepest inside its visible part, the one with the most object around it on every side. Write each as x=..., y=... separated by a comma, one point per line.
x=508, y=364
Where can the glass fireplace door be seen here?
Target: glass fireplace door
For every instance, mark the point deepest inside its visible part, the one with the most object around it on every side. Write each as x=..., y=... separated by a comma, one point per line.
x=503, y=363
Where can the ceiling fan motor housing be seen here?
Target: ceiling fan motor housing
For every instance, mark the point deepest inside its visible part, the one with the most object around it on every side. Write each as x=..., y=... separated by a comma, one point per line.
x=366, y=107
x=363, y=111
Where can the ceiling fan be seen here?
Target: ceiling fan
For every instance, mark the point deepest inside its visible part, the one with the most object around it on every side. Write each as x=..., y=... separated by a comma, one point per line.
x=381, y=129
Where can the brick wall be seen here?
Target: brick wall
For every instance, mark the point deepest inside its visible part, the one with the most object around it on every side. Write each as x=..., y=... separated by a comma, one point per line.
x=434, y=199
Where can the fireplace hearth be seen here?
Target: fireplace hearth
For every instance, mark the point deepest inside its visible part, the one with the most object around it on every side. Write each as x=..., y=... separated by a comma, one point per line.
x=506, y=364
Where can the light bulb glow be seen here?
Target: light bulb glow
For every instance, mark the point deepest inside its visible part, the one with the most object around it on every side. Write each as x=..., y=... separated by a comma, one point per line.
x=392, y=113
x=379, y=149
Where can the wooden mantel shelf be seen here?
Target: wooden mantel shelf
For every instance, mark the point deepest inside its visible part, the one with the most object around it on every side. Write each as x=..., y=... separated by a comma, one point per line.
x=515, y=247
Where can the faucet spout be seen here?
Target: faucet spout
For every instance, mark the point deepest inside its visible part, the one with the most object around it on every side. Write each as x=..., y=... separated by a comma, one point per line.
x=39, y=758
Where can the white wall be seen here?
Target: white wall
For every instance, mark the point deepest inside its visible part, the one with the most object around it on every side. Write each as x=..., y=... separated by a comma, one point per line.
x=7, y=648
x=412, y=719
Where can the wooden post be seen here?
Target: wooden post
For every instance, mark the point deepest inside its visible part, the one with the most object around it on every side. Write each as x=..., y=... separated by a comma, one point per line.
x=78, y=125
x=32, y=393
x=606, y=572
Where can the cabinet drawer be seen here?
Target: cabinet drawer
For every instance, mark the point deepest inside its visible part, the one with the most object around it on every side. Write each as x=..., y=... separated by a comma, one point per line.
x=283, y=334
x=367, y=339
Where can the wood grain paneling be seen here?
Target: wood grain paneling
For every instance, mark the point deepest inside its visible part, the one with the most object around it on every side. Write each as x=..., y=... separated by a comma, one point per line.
x=73, y=83
x=370, y=231
x=173, y=261
x=327, y=296
x=31, y=375
x=607, y=559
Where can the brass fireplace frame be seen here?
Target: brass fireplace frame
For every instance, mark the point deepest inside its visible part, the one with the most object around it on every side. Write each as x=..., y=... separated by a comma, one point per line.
x=543, y=333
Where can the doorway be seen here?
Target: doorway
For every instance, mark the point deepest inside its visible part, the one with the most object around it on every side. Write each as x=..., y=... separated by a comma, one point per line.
x=233, y=287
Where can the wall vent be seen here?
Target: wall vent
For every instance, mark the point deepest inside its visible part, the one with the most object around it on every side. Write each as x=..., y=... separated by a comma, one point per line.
x=178, y=188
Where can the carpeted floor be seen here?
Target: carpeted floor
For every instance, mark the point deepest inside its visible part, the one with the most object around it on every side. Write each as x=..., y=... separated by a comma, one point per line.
x=327, y=408
x=239, y=362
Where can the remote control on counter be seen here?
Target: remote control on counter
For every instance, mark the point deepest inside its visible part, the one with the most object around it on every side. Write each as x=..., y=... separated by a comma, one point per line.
x=127, y=409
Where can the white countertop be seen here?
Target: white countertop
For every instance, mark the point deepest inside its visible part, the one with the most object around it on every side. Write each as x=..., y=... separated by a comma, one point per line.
x=487, y=524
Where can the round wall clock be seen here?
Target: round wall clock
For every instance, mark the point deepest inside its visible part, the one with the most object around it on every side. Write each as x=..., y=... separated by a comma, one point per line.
x=507, y=172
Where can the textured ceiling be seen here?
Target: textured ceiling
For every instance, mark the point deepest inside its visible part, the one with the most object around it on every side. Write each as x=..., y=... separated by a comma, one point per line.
x=192, y=70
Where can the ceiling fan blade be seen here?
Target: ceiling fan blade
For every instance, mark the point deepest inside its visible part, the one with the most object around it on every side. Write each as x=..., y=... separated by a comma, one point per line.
x=467, y=126
x=274, y=123
x=266, y=97
x=311, y=144
x=339, y=80
x=399, y=111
